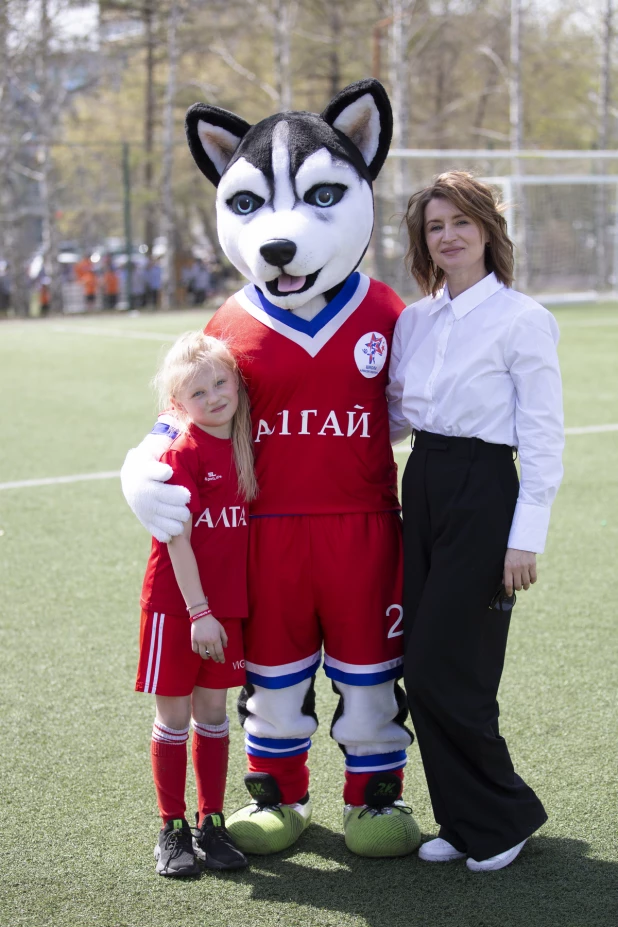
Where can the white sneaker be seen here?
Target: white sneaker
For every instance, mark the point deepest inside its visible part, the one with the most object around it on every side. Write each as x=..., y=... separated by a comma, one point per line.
x=495, y=862
x=439, y=851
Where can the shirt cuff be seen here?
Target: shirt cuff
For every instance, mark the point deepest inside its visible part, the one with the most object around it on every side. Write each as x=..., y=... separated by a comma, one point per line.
x=529, y=527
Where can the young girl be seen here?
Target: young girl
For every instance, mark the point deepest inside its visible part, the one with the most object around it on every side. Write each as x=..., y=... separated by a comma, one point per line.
x=194, y=598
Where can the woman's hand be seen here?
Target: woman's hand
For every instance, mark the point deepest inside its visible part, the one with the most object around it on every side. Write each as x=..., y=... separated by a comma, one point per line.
x=208, y=638
x=519, y=570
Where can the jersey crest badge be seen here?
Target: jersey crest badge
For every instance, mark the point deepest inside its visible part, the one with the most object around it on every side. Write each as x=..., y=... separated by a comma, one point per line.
x=370, y=354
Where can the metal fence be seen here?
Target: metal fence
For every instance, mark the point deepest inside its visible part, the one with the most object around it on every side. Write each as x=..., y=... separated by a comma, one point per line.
x=562, y=211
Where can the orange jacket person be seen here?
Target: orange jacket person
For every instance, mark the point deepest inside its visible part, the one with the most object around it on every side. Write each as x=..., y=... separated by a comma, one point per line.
x=89, y=283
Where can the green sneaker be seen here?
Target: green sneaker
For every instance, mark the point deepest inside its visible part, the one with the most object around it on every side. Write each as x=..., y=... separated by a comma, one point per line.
x=381, y=827
x=266, y=825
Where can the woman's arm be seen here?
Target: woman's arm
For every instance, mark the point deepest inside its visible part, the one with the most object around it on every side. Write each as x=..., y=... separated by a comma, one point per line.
x=532, y=359
x=208, y=637
x=398, y=424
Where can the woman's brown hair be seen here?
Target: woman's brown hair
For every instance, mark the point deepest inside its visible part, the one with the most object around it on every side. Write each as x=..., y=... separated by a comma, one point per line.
x=475, y=200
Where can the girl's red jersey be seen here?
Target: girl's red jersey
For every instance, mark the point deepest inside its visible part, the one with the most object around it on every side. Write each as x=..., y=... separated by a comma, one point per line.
x=317, y=389
x=220, y=532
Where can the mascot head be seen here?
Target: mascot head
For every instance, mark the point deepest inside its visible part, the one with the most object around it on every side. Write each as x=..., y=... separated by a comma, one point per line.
x=294, y=196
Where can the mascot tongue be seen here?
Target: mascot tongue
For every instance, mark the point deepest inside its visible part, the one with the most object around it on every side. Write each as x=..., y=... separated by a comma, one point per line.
x=288, y=284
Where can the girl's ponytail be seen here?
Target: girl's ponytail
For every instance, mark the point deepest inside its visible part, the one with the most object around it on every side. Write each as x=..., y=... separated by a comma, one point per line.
x=242, y=443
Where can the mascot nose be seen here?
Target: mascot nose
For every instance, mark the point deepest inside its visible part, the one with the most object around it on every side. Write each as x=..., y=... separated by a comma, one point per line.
x=279, y=251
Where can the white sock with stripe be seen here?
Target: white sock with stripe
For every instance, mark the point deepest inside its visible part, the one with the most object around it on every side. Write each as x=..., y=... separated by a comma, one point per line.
x=211, y=730
x=163, y=734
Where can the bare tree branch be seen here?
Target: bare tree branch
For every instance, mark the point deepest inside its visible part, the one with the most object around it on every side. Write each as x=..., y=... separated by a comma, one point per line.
x=239, y=68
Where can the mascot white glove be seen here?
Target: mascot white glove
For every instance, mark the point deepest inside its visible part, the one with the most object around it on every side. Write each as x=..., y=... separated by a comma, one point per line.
x=161, y=509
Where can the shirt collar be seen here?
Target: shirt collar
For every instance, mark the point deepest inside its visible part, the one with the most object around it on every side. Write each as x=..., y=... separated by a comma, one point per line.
x=469, y=299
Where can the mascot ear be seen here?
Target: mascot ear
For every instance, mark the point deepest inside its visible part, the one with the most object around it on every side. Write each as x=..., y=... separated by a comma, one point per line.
x=213, y=134
x=363, y=113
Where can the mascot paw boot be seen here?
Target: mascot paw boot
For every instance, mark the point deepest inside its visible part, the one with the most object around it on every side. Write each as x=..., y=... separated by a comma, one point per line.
x=383, y=826
x=266, y=825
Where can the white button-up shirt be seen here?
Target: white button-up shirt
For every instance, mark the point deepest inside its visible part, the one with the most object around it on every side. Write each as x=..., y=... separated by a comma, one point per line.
x=484, y=365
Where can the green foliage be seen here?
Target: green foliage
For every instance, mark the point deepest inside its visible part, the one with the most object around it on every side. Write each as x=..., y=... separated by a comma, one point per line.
x=457, y=95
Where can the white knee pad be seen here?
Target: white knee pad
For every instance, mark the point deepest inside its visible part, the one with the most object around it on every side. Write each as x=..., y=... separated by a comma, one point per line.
x=278, y=713
x=367, y=720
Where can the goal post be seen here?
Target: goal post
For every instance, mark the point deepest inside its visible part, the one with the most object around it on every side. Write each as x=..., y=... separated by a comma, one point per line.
x=561, y=209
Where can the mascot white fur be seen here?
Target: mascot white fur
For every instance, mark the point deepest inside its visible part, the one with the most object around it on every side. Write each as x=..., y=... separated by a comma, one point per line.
x=295, y=216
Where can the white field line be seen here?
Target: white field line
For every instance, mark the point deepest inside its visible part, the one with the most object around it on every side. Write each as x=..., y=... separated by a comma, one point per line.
x=169, y=336
x=112, y=332
x=586, y=323
x=590, y=429
x=401, y=448
x=53, y=480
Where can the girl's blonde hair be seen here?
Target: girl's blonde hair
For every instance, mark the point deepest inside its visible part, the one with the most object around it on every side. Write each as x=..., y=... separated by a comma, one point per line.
x=187, y=355
x=473, y=199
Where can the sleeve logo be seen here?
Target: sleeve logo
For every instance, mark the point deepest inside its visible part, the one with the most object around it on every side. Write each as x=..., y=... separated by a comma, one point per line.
x=370, y=354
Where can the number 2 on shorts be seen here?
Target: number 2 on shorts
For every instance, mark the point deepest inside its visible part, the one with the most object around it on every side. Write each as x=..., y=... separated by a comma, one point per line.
x=394, y=632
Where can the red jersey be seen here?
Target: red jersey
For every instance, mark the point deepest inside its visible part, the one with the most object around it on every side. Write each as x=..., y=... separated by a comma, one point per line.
x=319, y=410
x=220, y=532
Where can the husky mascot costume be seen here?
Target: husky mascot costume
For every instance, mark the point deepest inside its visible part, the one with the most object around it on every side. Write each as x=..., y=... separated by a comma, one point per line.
x=313, y=335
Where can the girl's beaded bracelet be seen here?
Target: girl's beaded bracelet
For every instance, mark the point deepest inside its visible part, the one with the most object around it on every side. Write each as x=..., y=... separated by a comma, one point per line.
x=202, y=614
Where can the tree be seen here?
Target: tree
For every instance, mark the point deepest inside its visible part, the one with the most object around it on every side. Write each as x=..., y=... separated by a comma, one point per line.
x=169, y=224
x=604, y=102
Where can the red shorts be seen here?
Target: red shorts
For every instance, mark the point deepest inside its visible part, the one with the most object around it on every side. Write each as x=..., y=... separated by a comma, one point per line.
x=168, y=665
x=334, y=580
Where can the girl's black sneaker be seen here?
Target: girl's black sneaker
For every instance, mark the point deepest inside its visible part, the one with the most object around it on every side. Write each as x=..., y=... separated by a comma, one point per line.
x=174, y=851
x=214, y=845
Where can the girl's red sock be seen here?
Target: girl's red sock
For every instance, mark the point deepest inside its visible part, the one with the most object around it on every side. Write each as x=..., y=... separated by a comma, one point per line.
x=210, y=749
x=168, y=752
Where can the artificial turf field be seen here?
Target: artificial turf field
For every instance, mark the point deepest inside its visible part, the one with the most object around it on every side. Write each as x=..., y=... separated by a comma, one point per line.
x=78, y=819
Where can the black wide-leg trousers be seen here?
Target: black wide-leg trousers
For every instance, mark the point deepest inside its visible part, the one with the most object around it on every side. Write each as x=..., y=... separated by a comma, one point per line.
x=459, y=496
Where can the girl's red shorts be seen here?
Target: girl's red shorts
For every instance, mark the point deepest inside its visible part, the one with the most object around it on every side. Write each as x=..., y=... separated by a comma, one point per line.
x=168, y=665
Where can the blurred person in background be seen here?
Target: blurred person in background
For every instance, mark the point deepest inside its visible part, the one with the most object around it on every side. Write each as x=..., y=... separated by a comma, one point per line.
x=89, y=284
x=5, y=289
x=138, y=286
x=111, y=285
x=474, y=376
x=44, y=296
x=199, y=281
x=154, y=278
x=83, y=267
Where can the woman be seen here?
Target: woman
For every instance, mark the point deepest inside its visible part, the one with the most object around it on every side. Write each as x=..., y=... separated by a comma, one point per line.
x=474, y=375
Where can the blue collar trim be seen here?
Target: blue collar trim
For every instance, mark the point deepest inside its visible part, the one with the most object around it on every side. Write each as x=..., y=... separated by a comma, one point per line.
x=323, y=317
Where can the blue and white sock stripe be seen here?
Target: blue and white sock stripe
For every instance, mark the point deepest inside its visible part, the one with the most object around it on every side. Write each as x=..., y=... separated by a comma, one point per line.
x=276, y=747
x=368, y=674
x=378, y=762
x=283, y=676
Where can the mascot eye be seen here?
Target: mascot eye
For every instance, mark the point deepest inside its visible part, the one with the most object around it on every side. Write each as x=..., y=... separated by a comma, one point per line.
x=325, y=194
x=243, y=204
